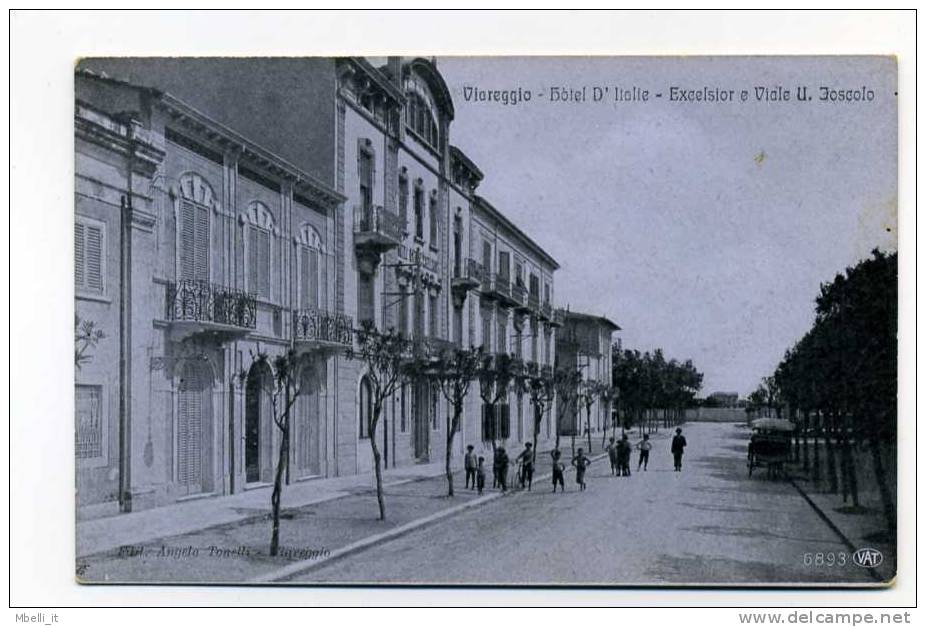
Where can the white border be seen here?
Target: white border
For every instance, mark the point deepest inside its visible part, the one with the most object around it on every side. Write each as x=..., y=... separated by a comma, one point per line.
x=44, y=48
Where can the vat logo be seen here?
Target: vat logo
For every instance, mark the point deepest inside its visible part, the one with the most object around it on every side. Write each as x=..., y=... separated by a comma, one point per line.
x=867, y=558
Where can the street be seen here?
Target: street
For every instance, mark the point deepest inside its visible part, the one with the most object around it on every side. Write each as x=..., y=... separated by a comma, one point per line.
x=707, y=524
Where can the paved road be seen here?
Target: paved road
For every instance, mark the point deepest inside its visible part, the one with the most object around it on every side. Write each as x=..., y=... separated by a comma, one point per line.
x=708, y=524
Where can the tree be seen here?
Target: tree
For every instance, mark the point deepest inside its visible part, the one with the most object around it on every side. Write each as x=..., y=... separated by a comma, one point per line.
x=588, y=392
x=454, y=372
x=539, y=387
x=283, y=379
x=566, y=383
x=387, y=357
x=86, y=336
x=496, y=374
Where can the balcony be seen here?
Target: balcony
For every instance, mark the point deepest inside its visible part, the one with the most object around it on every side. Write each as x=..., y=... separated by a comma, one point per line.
x=467, y=275
x=519, y=297
x=498, y=286
x=317, y=329
x=199, y=307
x=559, y=318
x=546, y=311
x=533, y=302
x=430, y=349
x=546, y=371
x=377, y=229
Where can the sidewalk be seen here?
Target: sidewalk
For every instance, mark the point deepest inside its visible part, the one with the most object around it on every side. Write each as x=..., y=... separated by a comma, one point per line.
x=102, y=534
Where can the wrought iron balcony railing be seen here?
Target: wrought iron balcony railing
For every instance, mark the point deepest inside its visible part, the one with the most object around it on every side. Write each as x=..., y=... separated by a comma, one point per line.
x=518, y=294
x=317, y=325
x=375, y=226
x=467, y=274
x=533, y=301
x=546, y=310
x=192, y=300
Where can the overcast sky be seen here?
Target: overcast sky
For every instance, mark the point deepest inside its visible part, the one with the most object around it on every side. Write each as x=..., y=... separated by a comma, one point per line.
x=702, y=228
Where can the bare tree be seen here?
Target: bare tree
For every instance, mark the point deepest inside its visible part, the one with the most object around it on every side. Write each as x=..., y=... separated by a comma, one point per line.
x=282, y=379
x=454, y=372
x=387, y=357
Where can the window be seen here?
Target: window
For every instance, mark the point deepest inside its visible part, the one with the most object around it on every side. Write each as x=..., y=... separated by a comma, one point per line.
x=503, y=267
x=366, y=179
x=458, y=326
x=403, y=199
x=435, y=315
x=365, y=298
x=365, y=407
x=308, y=274
x=259, y=261
x=419, y=212
x=535, y=287
x=194, y=241
x=517, y=344
x=486, y=332
x=89, y=421
x=487, y=257
x=534, y=333
x=89, y=256
x=435, y=408
x=402, y=415
x=432, y=220
x=518, y=274
x=403, y=313
x=418, y=331
x=502, y=346
x=420, y=118
x=546, y=348
x=546, y=293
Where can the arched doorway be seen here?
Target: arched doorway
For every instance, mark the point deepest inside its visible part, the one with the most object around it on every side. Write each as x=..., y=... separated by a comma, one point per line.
x=194, y=429
x=254, y=408
x=309, y=425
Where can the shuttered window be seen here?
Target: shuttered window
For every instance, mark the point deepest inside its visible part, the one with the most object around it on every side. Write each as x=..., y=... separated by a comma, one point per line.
x=190, y=427
x=259, y=262
x=194, y=241
x=434, y=311
x=89, y=419
x=89, y=260
x=432, y=219
x=365, y=305
x=366, y=179
x=308, y=270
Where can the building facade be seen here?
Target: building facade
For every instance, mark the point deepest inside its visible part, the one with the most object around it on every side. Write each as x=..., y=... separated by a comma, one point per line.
x=584, y=343
x=208, y=232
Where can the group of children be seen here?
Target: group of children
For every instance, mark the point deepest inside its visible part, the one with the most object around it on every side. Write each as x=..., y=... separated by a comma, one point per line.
x=619, y=453
x=476, y=475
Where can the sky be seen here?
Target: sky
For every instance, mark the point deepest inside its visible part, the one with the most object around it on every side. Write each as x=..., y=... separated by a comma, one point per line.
x=703, y=228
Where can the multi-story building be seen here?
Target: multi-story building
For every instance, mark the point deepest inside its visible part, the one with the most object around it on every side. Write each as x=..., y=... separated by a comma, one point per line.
x=228, y=208
x=584, y=342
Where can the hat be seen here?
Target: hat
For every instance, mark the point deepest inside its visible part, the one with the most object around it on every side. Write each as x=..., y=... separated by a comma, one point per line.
x=678, y=430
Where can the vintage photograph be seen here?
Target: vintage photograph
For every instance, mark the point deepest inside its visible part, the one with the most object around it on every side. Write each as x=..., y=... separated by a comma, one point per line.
x=486, y=321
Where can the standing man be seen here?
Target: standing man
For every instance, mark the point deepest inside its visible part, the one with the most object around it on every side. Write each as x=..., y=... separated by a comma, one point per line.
x=469, y=465
x=678, y=448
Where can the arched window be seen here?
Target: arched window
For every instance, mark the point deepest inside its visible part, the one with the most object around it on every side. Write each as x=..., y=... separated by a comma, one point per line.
x=312, y=262
x=260, y=229
x=419, y=116
x=196, y=199
x=365, y=406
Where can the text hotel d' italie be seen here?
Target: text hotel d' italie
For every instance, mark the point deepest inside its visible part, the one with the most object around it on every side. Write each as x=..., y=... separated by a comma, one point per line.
x=676, y=94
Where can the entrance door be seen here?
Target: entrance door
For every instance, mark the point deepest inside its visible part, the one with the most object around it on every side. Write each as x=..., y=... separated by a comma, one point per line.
x=193, y=422
x=252, y=399
x=422, y=420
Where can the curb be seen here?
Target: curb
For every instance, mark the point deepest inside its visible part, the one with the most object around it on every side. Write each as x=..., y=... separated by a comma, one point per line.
x=304, y=566
x=873, y=572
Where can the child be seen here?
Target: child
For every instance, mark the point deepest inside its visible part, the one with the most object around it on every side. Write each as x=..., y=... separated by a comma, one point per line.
x=469, y=465
x=526, y=458
x=581, y=462
x=612, y=456
x=501, y=468
x=481, y=474
x=559, y=470
x=623, y=455
x=644, y=445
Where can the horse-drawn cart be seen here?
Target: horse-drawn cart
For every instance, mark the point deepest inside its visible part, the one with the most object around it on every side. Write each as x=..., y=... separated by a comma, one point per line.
x=770, y=445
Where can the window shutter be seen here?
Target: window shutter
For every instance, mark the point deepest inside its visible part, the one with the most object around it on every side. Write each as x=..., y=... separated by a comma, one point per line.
x=201, y=250
x=187, y=240
x=253, y=266
x=79, y=258
x=309, y=282
x=504, y=422
x=94, y=257
x=263, y=259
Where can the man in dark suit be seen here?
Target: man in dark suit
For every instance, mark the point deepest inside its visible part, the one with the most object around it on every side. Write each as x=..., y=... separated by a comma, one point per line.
x=678, y=448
